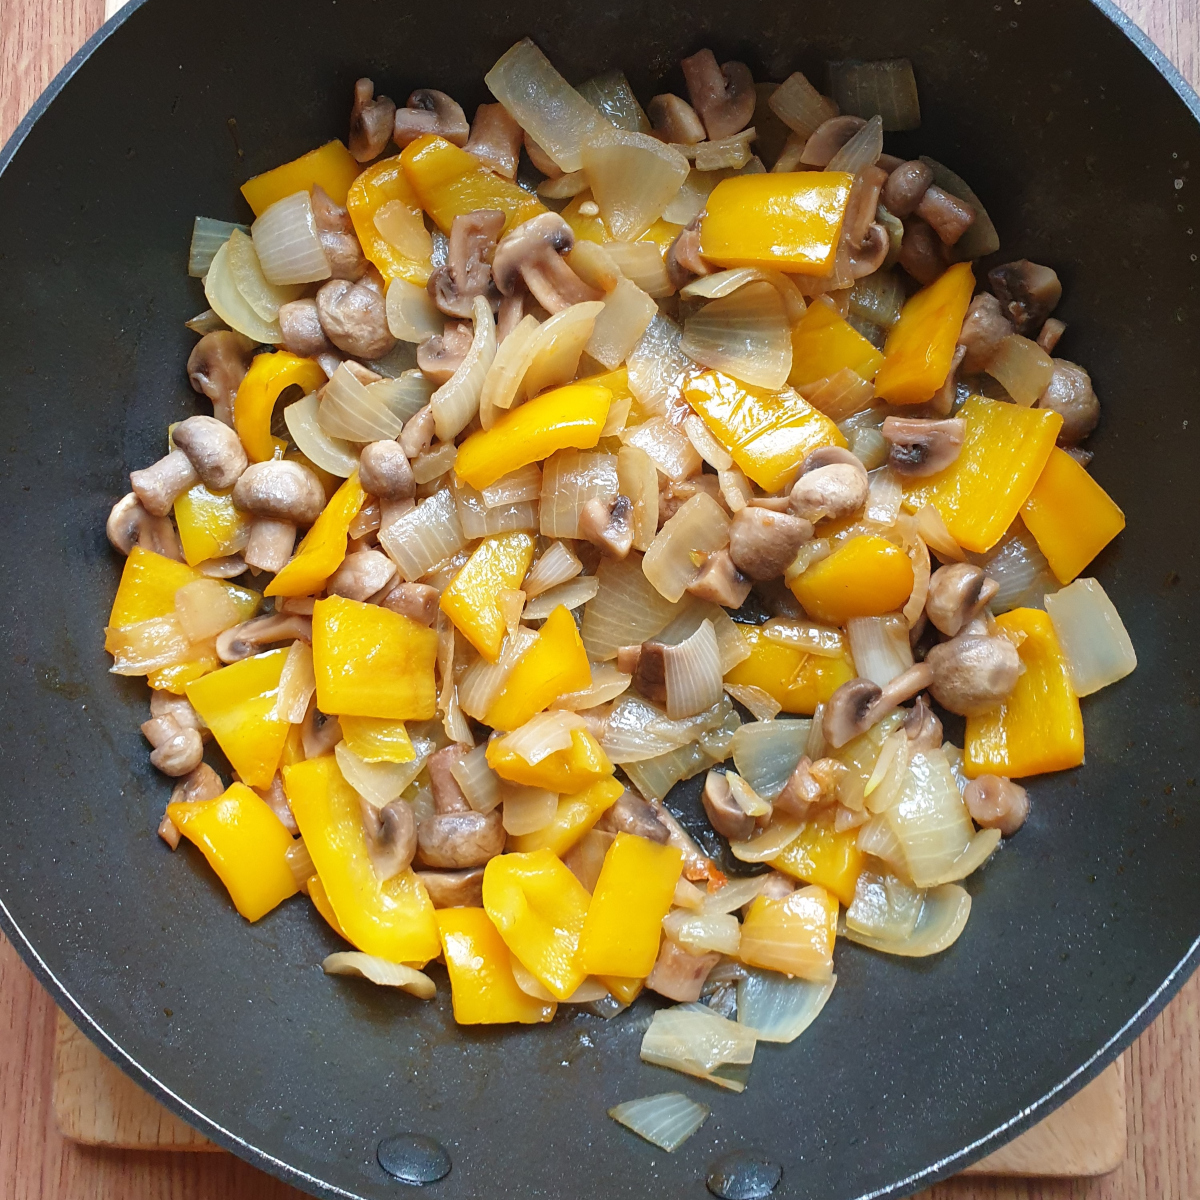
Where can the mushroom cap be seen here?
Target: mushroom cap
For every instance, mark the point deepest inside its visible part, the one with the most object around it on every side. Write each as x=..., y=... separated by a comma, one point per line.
x=997, y=803
x=545, y=234
x=391, y=834
x=1028, y=292
x=1070, y=393
x=361, y=575
x=724, y=95
x=384, y=471
x=763, y=543
x=905, y=187
x=958, y=593
x=725, y=815
x=850, y=711
x=371, y=121
x=125, y=522
x=631, y=814
x=354, y=317
x=283, y=490
x=214, y=449
x=833, y=484
x=675, y=120
x=216, y=366
x=455, y=840
x=430, y=111
x=828, y=138
x=920, y=446
x=468, y=269
x=972, y=674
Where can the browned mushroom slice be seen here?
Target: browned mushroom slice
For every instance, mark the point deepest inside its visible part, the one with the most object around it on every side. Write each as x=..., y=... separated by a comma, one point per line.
x=251, y=636
x=354, y=315
x=371, y=121
x=496, y=139
x=858, y=704
x=920, y=447
x=430, y=111
x=762, y=543
x=214, y=449
x=532, y=253
x=456, y=840
x=1051, y=334
x=683, y=257
x=1028, y=293
x=216, y=366
x=650, y=672
x=129, y=525
x=276, y=800
x=906, y=187
x=948, y=216
x=828, y=138
x=832, y=484
x=631, y=814
x=468, y=269
x=541, y=160
x=720, y=582
x=958, y=593
x=608, y=525
x=985, y=327
x=862, y=205
x=725, y=815
x=416, y=600
x=675, y=120
x=361, y=575
x=417, y=435
x=678, y=974
x=1070, y=393
x=447, y=795
x=723, y=95
x=811, y=785
x=439, y=357
x=391, y=834
x=282, y=496
x=922, y=727
x=201, y=783
x=997, y=803
x=320, y=731
x=303, y=334
x=454, y=889
x=384, y=471
x=973, y=673
x=338, y=239
x=944, y=399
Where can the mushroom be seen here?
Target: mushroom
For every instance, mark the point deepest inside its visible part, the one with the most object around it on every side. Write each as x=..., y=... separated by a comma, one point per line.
x=354, y=315
x=725, y=815
x=166, y=704
x=724, y=95
x=858, y=704
x=416, y=600
x=276, y=800
x=871, y=254
x=683, y=256
x=920, y=447
x=447, y=795
x=361, y=575
x=675, y=120
x=906, y=187
x=810, y=785
x=532, y=253
x=201, y=783
x=922, y=253
x=720, y=582
x=832, y=484
x=496, y=139
x=177, y=748
x=997, y=803
x=948, y=216
x=828, y=138
x=862, y=206
x=383, y=471
x=510, y=314
x=609, y=525
x=1070, y=392
x=680, y=975
x=650, y=672
x=216, y=366
x=454, y=889
x=455, y=840
x=762, y=543
x=251, y=636
x=985, y=327
x=300, y=324
x=336, y=233
x=320, y=732
x=973, y=673
x=1027, y=292
x=371, y=121
x=631, y=814
x=129, y=525
x=922, y=727
x=958, y=593
x=160, y=485
x=430, y=111
x=281, y=495
x=417, y=435
x=391, y=833
x=776, y=885
x=214, y=450
x=1051, y=334
x=439, y=357
x=468, y=269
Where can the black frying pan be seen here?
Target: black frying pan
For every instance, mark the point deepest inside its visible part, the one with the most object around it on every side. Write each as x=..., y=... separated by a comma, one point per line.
x=1084, y=145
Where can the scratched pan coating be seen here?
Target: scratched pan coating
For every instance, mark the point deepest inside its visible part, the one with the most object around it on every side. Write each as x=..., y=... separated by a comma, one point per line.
x=1084, y=147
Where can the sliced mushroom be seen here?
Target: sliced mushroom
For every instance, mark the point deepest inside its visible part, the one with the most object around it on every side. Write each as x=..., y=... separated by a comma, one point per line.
x=354, y=315
x=920, y=447
x=252, y=636
x=338, y=239
x=361, y=575
x=215, y=451
x=696, y=864
x=416, y=600
x=973, y=673
x=391, y=834
x=862, y=206
x=177, y=748
x=320, y=731
x=997, y=803
x=947, y=215
x=609, y=525
x=216, y=367
x=811, y=785
x=439, y=357
x=1028, y=293
x=1070, y=393
x=858, y=704
x=1051, y=334
x=675, y=120
x=456, y=840
x=430, y=111
x=776, y=885
x=720, y=582
x=371, y=121
x=384, y=471
x=678, y=974
x=129, y=525
x=510, y=314
x=906, y=187
x=303, y=334
x=276, y=800
x=160, y=485
x=944, y=399
x=650, y=672
x=468, y=269
x=496, y=139
x=532, y=253
x=985, y=327
x=922, y=252
x=417, y=435
x=631, y=814
x=454, y=889
x=447, y=795
x=958, y=593
x=683, y=257
x=867, y=258
x=832, y=484
x=922, y=727
x=725, y=815
x=762, y=543
x=282, y=496
x=724, y=95
x=828, y=138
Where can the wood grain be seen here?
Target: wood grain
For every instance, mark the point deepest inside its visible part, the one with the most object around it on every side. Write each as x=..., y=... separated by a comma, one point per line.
x=1162, y=1068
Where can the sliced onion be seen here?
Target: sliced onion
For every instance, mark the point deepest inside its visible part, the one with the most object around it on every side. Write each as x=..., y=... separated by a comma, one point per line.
x=666, y=1121
x=696, y=1041
x=424, y=536
x=402, y=226
x=930, y=818
x=766, y=753
x=330, y=454
x=933, y=532
x=541, y=101
x=884, y=908
x=762, y=705
x=702, y=933
x=265, y=298
x=887, y=87
x=208, y=236
x=148, y=646
x=880, y=647
x=692, y=196
x=735, y=894
x=725, y=283
x=791, y=935
x=527, y=809
x=706, y=445
x=883, y=499
x=618, y=416
x=914, y=607
x=483, y=680
x=731, y=153
x=637, y=479
x=636, y=730
x=693, y=674
x=633, y=177
x=1092, y=636
x=731, y=646
x=558, y=346
x=611, y=95
x=570, y=479
x=670, y=451
x=232, y=307
x=655, y=777
x=943, y=917
x=542, y=735
x=981, y=847
x=456, y=402
x=981, y=239
x=504, y=377
x=557, y=564
x=404, y=395
x=205, y=608
x=588, y=992
x=380, y=783
x=876, y=837
x=349, y=411
x=296, y=684
x=288, y=245
x=479, y=783
x=1022, y=368
x=300, y=864
x=205, y=322
x=878, y=298
x=626, y=610
x=1020, y=569
x=745, y=334
x=861, y=151
x=888, y=778
x=628, y=313
x=825, y=641
x=800, y=106
x=642, y=263
x=380, y=971
x=412, y=315
x=517, y=487
x=571, y=595
x=779, y=1008
x=434, y=463
x=657, y=366
x=607, y=684
x=700, y=526
x=776, y=838
x=746, y=798
x=478, y=520
x=736, y=490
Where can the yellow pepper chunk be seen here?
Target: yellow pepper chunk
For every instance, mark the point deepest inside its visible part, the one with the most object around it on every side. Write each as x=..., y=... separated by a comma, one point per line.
x=624, y=921
x=375, y=741
x=567, y=418
x=317, y=894
x=383, y=183
x=324, y=545
x=824, y=343
x=482, y=986
x=794, y=934
x=449, y=183
x=769, y=434
x=176, y=678
x=254, y=404
x=372, y=662
x=555, y=664
x=920, y=346
x=866, y=576
x=585, y=228
x=236, y=703
x=574, y=816
x=626, y=990
x=791, y=221
x=1070, y=515
x=245, y=843
x=293, y=747
x=662, y=234
x=1039, y=727
x=797, y=681
x=822, y=856
x=563, y=771
x=394, y=919
x=331, y=165
x=1004, y=452
x=471, y=600
x=538, y=907
x=209, y=524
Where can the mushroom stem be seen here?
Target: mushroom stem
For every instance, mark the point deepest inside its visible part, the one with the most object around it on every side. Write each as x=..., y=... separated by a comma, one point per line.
x=160, y=485
x=177, y=749
x=251, y=636
x=270, y=544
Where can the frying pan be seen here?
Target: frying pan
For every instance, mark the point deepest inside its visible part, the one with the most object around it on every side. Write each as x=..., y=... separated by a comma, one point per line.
x=1083, y=143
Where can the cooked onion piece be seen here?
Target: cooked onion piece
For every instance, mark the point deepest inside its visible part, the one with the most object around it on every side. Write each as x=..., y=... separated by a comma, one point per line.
x=930, y=819
x=780, y=834
x=380, y=783
x=1092, y=635
x=349, y=410
x=697, y=1041
x=626, y=610
x=483, y=680
x=657, y=365
x=779, y=1008
x=762, y=705
x=699, y=933
x=289, y=248
x=800, y=106
x=627, y=314
x=208, y=236
x=637, y=478
x=880, y=647
x=693, y=674
x=745, y=334
x=527, y=809
x=633, y=177
x=403, y=228
x=556, y=350
x=861, y=151
x=670, y=451
x=265, y=298
x=666, y=1121
x=296, y=684
x=607, y=684
x=886, y=87
x=424, y=536
x=611, y=95
x=232, y=307
x=766, y=753
x=943, y=916
x=571, y=595
x=504, y=377
x=380, y=971
x=570, y=479
x=642, y=263
x=558, y=564
x=412, y=315
x=330, y=454
x=479, y=783
x=456, y=402
x=701, y=526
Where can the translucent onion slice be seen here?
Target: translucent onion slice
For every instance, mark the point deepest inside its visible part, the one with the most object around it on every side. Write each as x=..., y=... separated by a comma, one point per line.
x=478, y=520
x=570, y=479
x=380, y=971
x=588, y=992
x=627, y=609
x=655, y=777
x=513, y=356
x=876, y=837
x=981, y=238
x=1092, y=635
x=412, y=315
x=825, y=641
x=745, y=334
x=265, y=298
x=731, y=646
x=351, y=412
x=933, y=532
x=557, y=564
x=884, y=907
x=697, y=1041
x=693, y=195
x=611, y=95
x=887, y=780
x=607, y=684
x=735, y=894
x=637, y=479
x=800, y=106
x=558, y=347
x=884, y=497
x=780, y=834
x=930, y=819
x=330, y=454
x=861, y=151
x=296, y=684
x=706, y=445
x=982, y=846
x=657, y=365
x=943, y=917
x=878, y=298
x=636, y=730
x=886, y=87
x=731, y=153
x=766, y=753
x=208, y=236
x=914, y=607
x=633, y=177
x=456, y=402
x=571, y=595
x=627, y=314
x=403, y=227
x=527, y=809
x=541, y=101
x=232, y=307
x=148, y=646
x=746, y=798
x=702, y=933
x=483, y=680
x=700, y=526
x=642, y=263
x=666, y=1120
x=205, y=322
x=380, y=783
x=670, y=451
x=424, y=536
x=479, y=783
x=777, y=1008
x=517, y=487
x=542, y=735
x=735, y=489
x=693, y=674
x=434, y=463
x=1020, y=569
x=762, y=705
x=404, y=395
x=300, y=864
x=618, y=416
x=880, y=647
x=289, y=247
x=205, y=608
x=1022, y=368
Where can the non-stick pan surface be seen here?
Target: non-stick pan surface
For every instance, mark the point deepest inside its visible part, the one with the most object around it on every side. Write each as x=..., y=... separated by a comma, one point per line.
x=1085, y=151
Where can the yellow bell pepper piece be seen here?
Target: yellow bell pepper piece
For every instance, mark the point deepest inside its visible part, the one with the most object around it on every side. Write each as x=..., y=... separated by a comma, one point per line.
x=623, y=928
x=372, y=662
x=324, y=545
x=769, y=434
x=482, y=986
x=797, y=681
x=331, y=165
x=316, y=893
x=374, y=740
x=254, y=404
x=574, y=816
x=380, y=184
x=1004, y=452
x=538, y=907
x=822, y=856
x=791, y=221
x=920, y=346
x=471, y=599
x=564, y=771
x=1070, y=515
x=626, y=990
x=449, y=183
x=148, y=585
x=236, y=704
x=823, y=343
x=793, y=935
x=176, y=678
x=866, y=576
x=245, y=843
x=566, y=418
x=393, y=920
x=662, y=234
x=209, y=524
x=585, y=228
x=555, y=664
x=1039, y=727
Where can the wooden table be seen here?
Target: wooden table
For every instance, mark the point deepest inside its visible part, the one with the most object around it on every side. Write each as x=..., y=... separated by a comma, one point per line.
x=1162, y=1068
